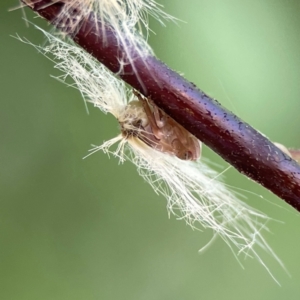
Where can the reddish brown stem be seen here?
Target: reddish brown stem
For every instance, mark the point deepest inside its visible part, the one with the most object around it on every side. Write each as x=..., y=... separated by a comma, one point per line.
x=237, y=142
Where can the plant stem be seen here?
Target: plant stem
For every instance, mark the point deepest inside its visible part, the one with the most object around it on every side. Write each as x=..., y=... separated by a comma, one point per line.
x=238, y=143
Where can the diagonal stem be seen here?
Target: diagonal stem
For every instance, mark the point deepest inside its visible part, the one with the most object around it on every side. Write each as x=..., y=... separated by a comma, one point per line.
x=237, y=142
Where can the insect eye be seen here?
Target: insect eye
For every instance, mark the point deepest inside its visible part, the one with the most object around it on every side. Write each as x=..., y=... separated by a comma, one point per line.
x=137, y=123
x=188, y=155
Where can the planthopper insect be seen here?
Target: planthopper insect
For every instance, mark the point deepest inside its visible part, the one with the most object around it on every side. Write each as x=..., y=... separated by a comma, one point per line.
x=144, y=120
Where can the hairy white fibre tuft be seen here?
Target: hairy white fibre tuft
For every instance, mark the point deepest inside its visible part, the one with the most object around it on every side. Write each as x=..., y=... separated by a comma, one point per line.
x=192, y=189
x=129, y=19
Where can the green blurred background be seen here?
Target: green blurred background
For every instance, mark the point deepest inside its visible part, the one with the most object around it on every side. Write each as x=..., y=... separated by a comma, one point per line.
x=92, y=229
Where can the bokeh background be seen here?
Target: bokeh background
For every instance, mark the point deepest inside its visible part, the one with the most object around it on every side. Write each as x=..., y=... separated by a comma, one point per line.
x=92, y=229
